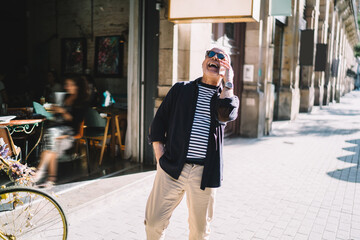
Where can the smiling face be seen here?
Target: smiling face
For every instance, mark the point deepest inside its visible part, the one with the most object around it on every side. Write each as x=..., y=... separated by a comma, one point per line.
x=211, y=65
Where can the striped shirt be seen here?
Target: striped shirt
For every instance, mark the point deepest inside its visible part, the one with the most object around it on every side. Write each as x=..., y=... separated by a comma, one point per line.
x=201, y=125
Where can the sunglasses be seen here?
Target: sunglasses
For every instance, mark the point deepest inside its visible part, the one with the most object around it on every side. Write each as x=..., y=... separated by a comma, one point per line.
x=211, y=54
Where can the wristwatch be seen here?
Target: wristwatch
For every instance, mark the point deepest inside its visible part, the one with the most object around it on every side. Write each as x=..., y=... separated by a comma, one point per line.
x=229, y=85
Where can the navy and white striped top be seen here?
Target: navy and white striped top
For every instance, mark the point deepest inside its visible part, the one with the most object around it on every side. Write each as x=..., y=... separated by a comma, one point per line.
x=201, y=125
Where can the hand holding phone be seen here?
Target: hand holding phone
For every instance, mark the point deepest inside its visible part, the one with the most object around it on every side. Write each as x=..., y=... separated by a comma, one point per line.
x=226, y=71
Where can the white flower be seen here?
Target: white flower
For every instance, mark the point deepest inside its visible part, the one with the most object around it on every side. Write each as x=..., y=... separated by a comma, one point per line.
x=2, y=142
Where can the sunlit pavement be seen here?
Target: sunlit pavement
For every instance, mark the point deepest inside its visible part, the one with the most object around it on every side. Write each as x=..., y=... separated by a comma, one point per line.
x=302, y=182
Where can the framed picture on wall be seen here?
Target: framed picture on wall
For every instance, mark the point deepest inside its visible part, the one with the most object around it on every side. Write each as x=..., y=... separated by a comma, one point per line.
x=109, y=54
x=73, y=60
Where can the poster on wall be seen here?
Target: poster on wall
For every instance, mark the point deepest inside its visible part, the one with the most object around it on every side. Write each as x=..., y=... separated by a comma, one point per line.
x=73, y=55
x=109, y=53
x=248, y=73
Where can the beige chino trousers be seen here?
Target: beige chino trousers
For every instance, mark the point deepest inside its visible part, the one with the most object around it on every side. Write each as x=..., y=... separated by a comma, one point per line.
x=166, y=195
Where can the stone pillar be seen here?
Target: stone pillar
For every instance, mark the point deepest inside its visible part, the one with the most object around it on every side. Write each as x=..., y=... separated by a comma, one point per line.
x=182, y=41
x=269, y=93
x=351, y=65
x=336, y=54
x=200, y=41
x=133, y=86
x=166, y=51
x=289, y=95
x=308, y=75
x=252, y=100
x=322, y=38
x=318, y=78
x=331, y=39
x=342, y=61
x=181, y=52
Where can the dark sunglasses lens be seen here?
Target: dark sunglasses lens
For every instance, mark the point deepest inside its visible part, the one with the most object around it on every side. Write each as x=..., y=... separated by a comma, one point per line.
x=220, y=56
x=211, y=53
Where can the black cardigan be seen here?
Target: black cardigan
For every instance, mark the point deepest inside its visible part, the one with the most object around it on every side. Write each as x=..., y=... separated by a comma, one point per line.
x=172, y=126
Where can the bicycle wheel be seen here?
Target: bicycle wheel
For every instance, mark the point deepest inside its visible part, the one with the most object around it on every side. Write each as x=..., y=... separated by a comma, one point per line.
x=27, y=213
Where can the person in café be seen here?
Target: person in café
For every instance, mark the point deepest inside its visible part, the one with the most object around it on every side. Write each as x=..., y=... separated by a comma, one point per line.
x=187, y=136
x=58, y=137
x=52, y=86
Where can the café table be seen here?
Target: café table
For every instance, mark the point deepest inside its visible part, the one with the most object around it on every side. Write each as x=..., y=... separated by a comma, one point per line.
x=115, y=116
x=26, y=127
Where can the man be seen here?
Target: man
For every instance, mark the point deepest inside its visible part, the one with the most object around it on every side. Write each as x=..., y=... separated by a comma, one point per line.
x=187, y=136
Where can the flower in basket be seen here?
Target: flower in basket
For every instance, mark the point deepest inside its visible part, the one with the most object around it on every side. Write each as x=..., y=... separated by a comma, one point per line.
x=17, y=172
x=3, y=149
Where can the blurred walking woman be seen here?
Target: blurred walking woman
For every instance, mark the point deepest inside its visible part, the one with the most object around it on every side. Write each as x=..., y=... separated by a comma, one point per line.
x=58, y=137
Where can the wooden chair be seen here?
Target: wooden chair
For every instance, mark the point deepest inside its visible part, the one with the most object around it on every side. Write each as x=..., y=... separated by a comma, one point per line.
x=79, y=137
x=119, y=136
x=79, y=140
x=14, y=151
x=96, y=130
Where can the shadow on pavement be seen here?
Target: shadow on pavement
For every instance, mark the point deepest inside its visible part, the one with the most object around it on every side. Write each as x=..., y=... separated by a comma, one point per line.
x=343, y=112
x=242, y=141
x=321, y=128
x=350, y=174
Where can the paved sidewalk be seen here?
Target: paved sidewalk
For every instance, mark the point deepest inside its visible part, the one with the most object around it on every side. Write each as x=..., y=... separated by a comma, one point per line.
x=302, y=182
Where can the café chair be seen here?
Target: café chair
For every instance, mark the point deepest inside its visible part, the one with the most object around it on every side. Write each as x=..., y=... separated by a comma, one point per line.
x=78, y=137
x=14, y=151
x=39, y=109
x=95, y=131
x=119, y=136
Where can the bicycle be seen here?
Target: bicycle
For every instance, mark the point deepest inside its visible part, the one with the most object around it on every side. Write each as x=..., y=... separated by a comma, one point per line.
x=26, y=212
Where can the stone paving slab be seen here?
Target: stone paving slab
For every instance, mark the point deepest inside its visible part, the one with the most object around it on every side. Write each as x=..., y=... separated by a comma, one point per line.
x=302, y=182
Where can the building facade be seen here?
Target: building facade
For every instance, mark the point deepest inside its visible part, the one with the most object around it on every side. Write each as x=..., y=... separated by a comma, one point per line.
x=283, y=64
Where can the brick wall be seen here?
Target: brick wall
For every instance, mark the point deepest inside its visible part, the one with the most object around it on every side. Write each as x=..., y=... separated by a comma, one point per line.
x=50, y=21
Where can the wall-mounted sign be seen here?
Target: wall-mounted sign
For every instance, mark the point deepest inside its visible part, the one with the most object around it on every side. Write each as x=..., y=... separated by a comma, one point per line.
x=248, y=73
x=214, y=11
x=321, y=57
x=250, y=102
x=280, y=8
x=335, y=67
x=307, y=47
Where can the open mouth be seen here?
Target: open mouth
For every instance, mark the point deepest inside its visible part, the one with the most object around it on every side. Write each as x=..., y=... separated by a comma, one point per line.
x=213, y=65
